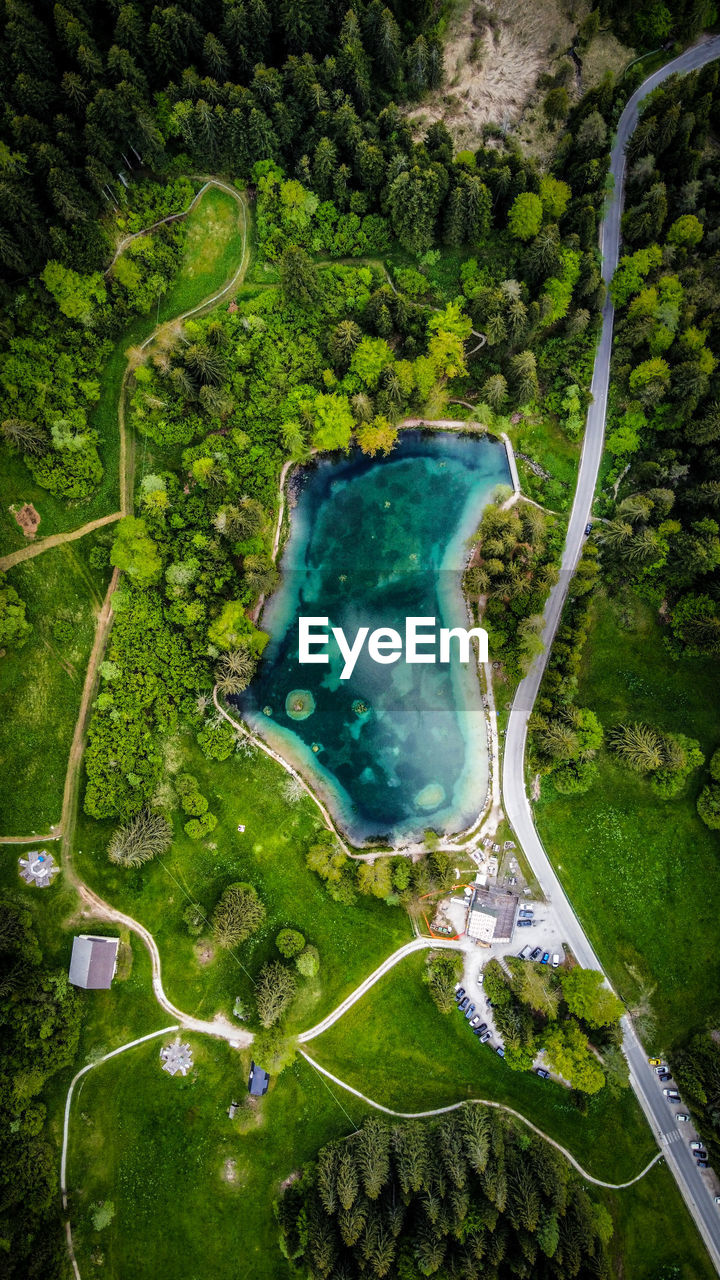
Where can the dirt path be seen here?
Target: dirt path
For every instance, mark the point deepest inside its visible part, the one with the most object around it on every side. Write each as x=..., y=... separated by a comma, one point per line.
x=483, y=1102
x=164, y=1031
x=419, y=943
x=94, y=907
x=55, y=540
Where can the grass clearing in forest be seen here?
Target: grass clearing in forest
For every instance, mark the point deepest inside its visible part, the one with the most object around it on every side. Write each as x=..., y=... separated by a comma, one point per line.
x=641, y=871
x=41, y=682
x=270, y=854
x=212, y=255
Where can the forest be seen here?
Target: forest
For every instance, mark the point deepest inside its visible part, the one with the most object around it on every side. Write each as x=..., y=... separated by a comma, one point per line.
x=447, y=1197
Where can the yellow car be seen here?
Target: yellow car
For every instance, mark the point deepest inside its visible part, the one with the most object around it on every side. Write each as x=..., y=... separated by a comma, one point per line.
x=655, y=1062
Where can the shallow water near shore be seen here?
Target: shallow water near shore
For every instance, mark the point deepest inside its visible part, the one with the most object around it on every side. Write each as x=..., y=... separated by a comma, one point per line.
x=396, y=748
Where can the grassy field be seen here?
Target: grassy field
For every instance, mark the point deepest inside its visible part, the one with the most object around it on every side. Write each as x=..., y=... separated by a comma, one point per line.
x=41, y=683
x=213, y=251
x=164, y=1150
x=399, y=1050
x=642, y=872
x=654, y=1236
x=352, y=940
x=546, y=443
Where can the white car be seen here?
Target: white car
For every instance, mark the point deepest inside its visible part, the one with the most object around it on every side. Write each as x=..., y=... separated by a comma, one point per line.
x=555, y=960
x=682, y=1116
x=696, y=1146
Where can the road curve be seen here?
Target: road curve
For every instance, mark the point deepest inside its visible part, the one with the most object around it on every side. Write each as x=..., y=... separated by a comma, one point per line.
x=153, y=1035
x=517, y=806
x=219, y=1026
x=481, y=1102
x=417, y=944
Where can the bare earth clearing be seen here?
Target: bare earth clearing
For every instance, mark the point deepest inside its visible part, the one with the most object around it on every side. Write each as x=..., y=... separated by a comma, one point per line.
x=494, y=56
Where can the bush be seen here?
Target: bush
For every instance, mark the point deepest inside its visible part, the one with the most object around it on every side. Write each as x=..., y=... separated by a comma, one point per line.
x=289, y=943
x=238, y=914
x=196, y=828
x=194, y=918
x=308, y=962
x=216, y=741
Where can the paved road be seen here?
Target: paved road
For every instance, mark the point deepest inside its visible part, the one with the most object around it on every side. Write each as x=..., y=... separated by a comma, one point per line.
x=694, y=1187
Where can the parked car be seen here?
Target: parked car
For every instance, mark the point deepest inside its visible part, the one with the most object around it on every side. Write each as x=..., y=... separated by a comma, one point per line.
x=683, y=1117
x=654, y=1062
x=702, y=1164
x=660, y=1068
x=523, y=952
x=696, y=1146
x=464, y=1004
x=469, y=1011
x=485, y=1037
x=672, y=1095
x=483, y=1027
x=460, y=992
x=546, y=957
x=701, y=1155
x=500, y=1051
x=524, y=923
x=475, y=1021
x=716, y=1199
x=480, y=977
x=588, y=529
x=535, y=953
x=526, y=911
x=664, y=1075
x=555, y=960
x=542, y=1073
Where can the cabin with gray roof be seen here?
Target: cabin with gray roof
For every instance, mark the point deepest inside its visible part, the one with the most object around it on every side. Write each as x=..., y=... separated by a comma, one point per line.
x=258, y=1082
x=93, y=961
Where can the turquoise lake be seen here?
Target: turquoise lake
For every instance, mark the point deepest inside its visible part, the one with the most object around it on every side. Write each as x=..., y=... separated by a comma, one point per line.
x=397, y=748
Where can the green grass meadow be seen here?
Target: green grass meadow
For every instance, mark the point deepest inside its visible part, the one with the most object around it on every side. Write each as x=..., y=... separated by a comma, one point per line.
x=213, y=252
x=640, y=871
x=270, y=854
x=395, y=1047
x=41, y=683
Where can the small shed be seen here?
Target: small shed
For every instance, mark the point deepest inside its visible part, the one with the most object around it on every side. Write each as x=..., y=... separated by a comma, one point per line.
x=38, y=868
x=176, y=1058
x=258, y=1082
x=93, y=961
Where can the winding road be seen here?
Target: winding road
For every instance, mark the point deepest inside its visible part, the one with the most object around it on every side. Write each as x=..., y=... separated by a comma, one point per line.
x=517, y=806
x=481, y=1102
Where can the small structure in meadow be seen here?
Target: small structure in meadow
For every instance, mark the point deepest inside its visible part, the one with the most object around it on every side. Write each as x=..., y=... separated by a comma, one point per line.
x=38, y=868
x=93, y=961
x=258, y=1082
x=176, y=1058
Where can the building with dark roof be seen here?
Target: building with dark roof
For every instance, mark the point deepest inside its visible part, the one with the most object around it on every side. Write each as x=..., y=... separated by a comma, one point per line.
x=93, y=961
x=258, y=1082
